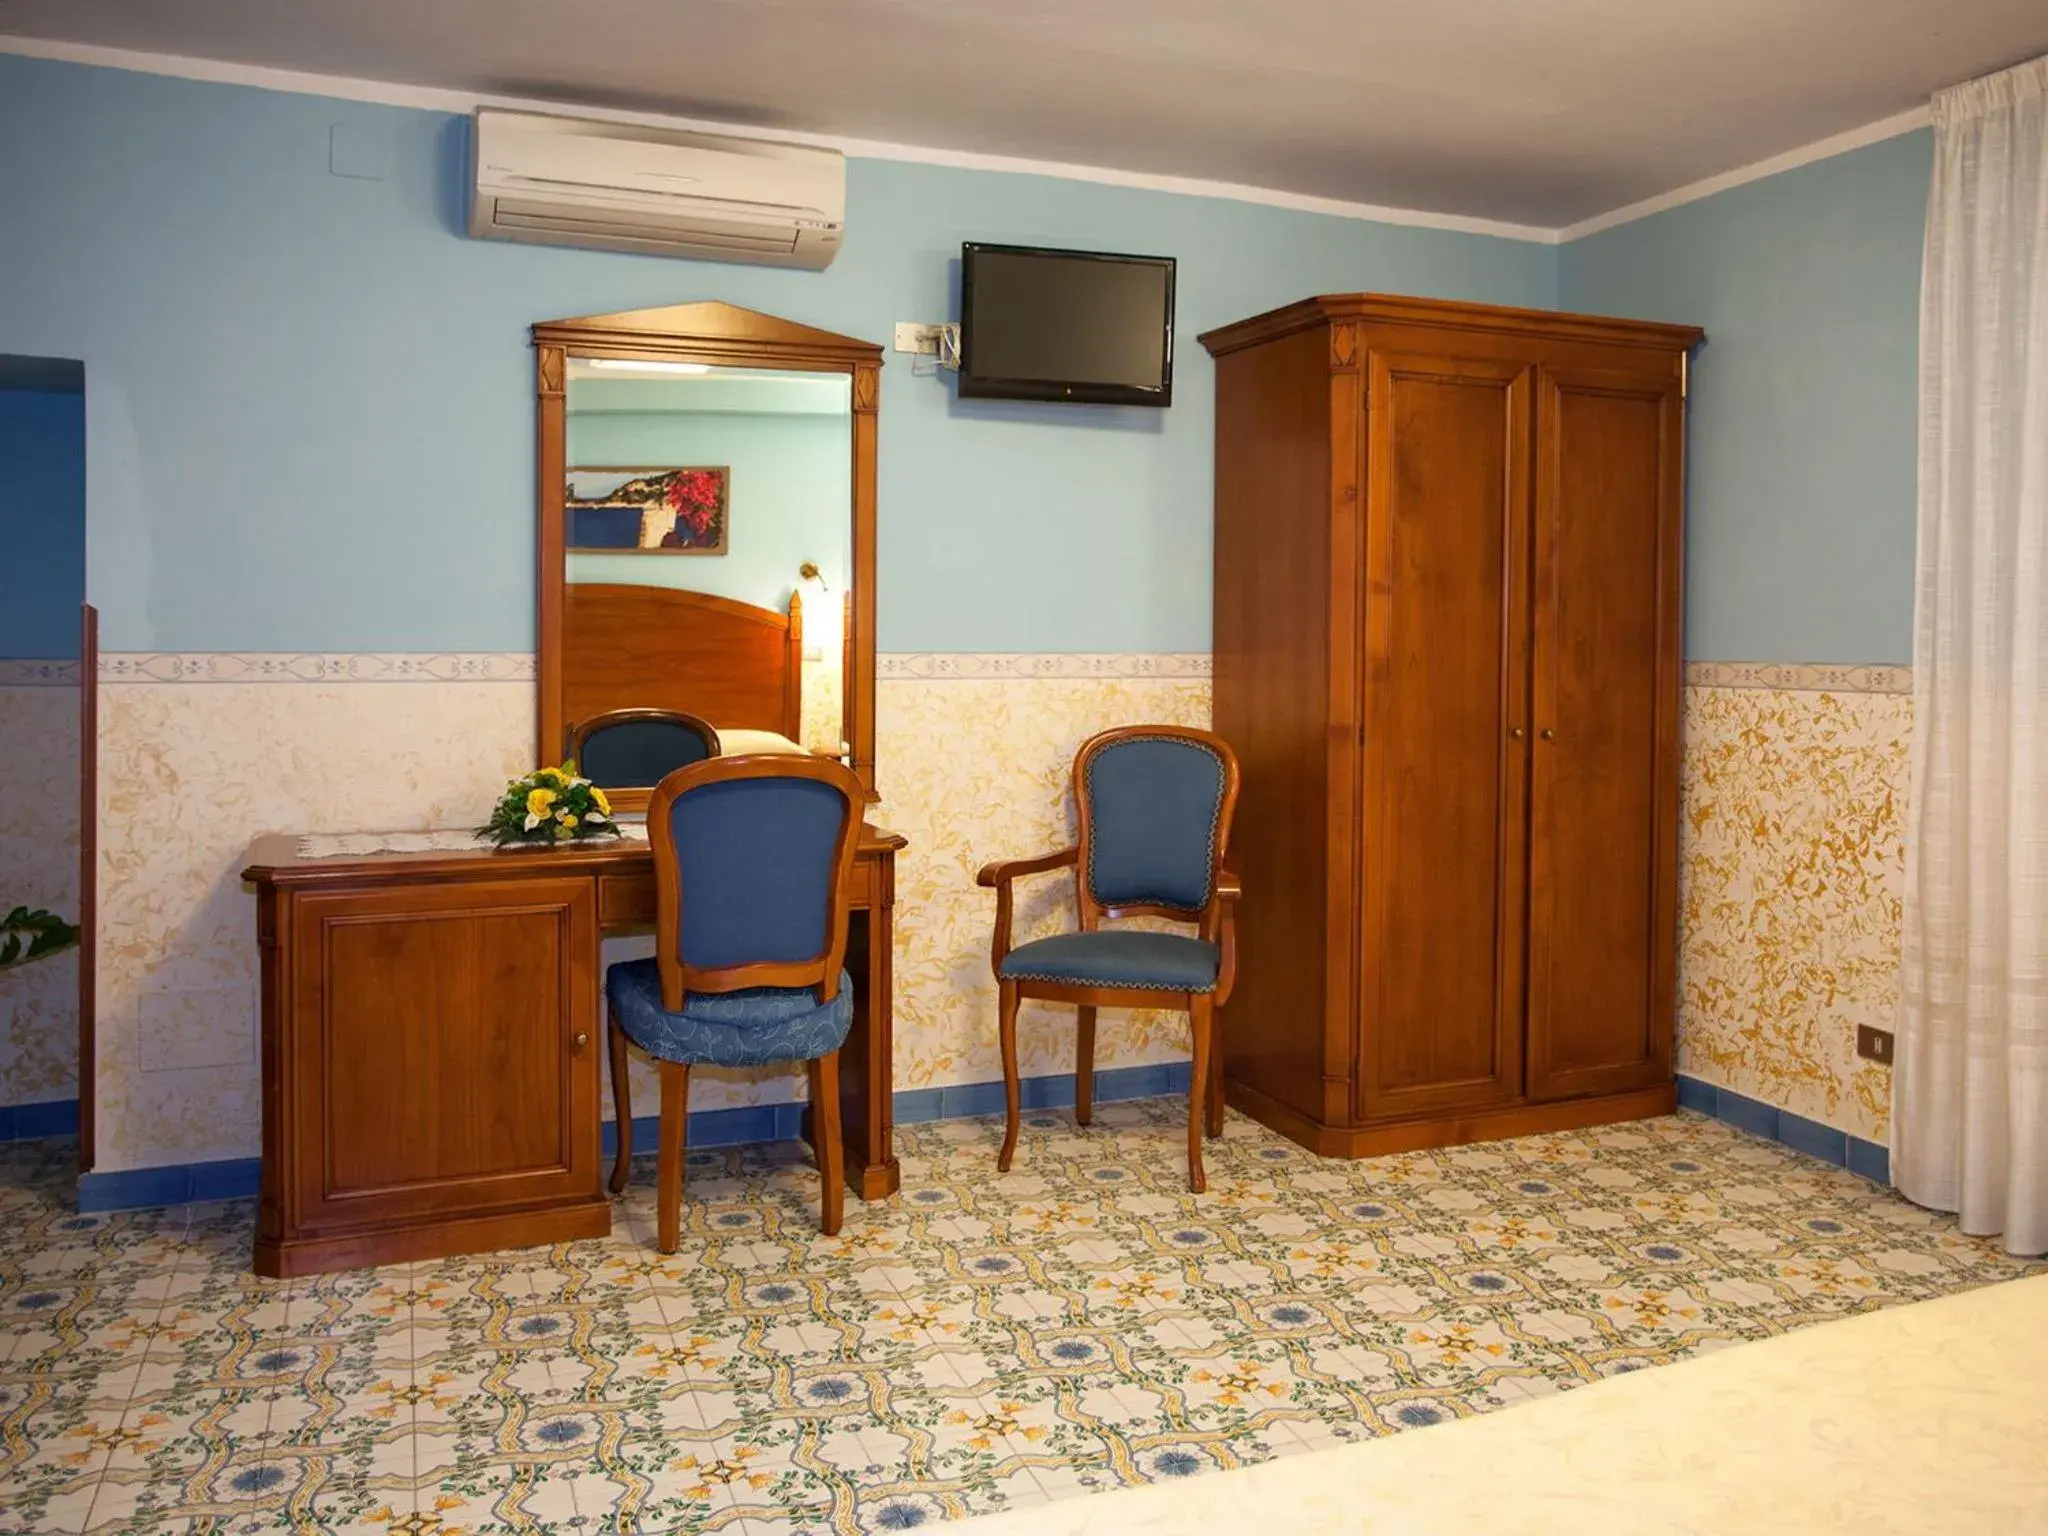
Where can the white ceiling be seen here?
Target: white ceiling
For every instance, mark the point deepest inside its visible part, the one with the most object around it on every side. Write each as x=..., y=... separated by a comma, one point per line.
x=1540, y=112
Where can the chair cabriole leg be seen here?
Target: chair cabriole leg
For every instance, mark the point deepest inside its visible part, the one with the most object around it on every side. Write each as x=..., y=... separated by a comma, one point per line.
x=622, y=1107
x=1201, y=1020
x=1084, y=1065
x=830, y=1153
x=1006, y=1006
x=1215, y=1071
x=668, y=1171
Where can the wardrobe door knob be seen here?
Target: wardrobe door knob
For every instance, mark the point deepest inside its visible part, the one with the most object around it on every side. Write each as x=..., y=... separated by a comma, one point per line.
x=581, y=1041
x=1548, y=734
x=1516, y=733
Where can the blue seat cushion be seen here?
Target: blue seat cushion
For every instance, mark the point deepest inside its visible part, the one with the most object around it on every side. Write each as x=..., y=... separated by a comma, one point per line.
x=1117, y=957
x=757, y=1027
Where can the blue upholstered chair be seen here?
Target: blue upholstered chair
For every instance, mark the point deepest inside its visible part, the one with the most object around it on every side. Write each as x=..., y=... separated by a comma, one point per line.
x=1154, y=803
x=751, y=861
x=638, y=748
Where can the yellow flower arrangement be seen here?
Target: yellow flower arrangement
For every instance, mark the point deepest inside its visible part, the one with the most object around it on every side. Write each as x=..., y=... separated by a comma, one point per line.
x=550, y=805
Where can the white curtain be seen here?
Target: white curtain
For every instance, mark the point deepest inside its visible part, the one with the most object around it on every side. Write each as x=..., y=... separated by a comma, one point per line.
x=1970, y=1088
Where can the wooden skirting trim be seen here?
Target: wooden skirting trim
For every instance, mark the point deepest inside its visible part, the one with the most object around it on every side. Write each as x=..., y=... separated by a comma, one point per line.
x=434, y=1239
x=1450, y=1131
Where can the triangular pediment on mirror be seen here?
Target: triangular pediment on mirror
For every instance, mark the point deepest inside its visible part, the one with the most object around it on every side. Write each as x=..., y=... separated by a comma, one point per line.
x=710, y=331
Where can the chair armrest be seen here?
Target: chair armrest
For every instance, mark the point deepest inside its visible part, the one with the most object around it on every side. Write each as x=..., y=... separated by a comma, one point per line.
x=1005, y=870
x=1001, y=874
x=1229, y=891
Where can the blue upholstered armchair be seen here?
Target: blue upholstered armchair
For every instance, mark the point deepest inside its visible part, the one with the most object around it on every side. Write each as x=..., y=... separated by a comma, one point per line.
x=638, y=748
x=1154, y=803
x=751, y=861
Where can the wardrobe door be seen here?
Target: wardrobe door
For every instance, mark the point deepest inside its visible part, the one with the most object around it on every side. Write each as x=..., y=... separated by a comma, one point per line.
x=1444, y=663
x=1604, y=776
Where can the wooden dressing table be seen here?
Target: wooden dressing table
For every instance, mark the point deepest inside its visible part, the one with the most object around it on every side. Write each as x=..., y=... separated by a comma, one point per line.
x=432, y=1022
x=432, y=1028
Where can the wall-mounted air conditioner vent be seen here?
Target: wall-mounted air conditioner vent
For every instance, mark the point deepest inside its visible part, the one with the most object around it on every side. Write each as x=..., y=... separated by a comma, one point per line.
x=569, y=181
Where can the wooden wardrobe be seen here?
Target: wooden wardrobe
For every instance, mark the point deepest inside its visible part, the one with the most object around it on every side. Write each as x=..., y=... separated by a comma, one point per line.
x=1448, y=543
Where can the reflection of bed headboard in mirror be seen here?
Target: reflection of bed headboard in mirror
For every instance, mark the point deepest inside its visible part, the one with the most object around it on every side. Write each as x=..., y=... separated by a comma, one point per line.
x=751, y=676
x=728, y=662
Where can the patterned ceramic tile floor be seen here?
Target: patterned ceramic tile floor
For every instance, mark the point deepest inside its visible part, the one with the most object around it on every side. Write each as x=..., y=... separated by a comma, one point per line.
x=977, y=1342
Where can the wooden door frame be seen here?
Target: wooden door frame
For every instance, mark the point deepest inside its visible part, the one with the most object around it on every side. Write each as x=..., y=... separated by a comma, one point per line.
x=88, y=879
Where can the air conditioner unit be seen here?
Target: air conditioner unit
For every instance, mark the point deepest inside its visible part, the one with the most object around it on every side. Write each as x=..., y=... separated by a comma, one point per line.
x=568, y=181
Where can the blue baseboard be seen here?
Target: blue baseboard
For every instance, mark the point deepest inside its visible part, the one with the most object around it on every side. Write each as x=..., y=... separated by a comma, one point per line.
x=37, y=1122
x=236, y=1178
x=717, y=1128
x=130, y=1189
x=1781, y=1125
x=914, y=1106
x=1053, y=1091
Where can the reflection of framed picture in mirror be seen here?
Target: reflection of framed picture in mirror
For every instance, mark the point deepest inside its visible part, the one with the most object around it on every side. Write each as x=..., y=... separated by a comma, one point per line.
x=647, y=511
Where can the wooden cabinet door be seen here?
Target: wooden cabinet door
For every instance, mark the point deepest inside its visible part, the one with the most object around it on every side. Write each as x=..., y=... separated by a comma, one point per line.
x=1604, y=783
x=1445, y=665
x=444, y=1051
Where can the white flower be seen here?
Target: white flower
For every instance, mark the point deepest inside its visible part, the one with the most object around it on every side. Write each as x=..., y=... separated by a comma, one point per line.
x=532, y=822
x=593, y=816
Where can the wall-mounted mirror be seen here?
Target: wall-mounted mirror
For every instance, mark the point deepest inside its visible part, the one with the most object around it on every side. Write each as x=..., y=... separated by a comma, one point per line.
x=707, y=481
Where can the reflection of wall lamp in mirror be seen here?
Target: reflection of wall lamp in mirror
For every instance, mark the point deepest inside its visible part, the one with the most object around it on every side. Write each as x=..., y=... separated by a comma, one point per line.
x=821, y=617
x=647, y=365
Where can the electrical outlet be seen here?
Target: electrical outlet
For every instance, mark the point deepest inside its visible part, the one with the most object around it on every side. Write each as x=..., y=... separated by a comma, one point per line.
x=1874, y=1044
x=914, y=336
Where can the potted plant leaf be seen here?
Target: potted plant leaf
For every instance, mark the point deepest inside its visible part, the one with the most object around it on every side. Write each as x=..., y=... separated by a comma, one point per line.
x=28, y=934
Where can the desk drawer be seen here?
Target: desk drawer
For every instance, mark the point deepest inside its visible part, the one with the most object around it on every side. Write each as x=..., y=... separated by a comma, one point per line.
x=626, y=901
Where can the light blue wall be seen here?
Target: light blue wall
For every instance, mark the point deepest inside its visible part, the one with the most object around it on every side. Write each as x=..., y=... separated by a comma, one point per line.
x=42, y=523
x=1802, y=478
x=790, y=496
x=310, y=394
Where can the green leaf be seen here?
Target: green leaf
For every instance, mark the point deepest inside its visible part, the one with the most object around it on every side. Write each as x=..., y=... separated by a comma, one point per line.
x=45, y=934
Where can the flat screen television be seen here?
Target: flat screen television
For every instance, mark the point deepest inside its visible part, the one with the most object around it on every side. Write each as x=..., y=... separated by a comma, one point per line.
x=1065, y=325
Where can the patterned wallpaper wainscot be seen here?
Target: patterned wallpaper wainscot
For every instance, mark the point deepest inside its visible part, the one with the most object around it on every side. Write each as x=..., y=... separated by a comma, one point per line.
x=200, y=753
x=1792, y=869
x=1791, y=858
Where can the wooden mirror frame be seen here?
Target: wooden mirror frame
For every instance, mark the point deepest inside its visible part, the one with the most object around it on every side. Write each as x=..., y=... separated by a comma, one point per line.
x=727, y=336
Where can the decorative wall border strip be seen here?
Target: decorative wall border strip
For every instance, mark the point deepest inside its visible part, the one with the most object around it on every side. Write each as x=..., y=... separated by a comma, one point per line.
x=1798, y=677
x=949, y=666
x=898, y=666
x=38, y=674
x=316, y=667
x=517, y=667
